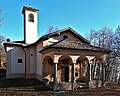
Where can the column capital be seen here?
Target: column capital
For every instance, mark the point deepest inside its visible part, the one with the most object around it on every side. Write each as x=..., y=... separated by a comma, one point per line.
x=74, y=58
x=56, y=58
x=90, y=58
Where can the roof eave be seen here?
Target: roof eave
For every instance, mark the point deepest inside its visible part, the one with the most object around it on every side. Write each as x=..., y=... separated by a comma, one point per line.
x=48, y=48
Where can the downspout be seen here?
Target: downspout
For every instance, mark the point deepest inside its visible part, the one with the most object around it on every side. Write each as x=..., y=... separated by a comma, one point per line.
x=24, y=49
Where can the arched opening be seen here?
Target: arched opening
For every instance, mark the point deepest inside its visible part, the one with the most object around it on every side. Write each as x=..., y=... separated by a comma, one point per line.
x=65, y=69
x=81, y=69
x=96, y=68
x=48, y=68
x=31, y=17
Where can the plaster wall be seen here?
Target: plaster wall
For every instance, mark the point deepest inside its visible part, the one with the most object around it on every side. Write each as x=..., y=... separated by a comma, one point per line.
x=27, y=60
x=30, y=62
x=39, y=66
x=8, y=60
x=30, y=28
x=13, y=55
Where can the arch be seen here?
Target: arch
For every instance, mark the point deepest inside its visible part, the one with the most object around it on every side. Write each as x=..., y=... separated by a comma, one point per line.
x=65, y=68
x=65, y=60
x=81, y=69
x=48, y=60
x=31, y=17
x=82, y=59
x=48, y=68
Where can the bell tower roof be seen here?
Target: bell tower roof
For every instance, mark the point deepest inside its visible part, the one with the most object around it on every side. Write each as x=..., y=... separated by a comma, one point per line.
x=29, y=9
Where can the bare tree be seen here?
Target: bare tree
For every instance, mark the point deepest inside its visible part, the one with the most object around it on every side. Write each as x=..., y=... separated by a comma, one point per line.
x=2, y=51
x=1, y=20
x=102, y=38
x=116, y=56
x=105, y=38
x=2, y=39
x=52, y=29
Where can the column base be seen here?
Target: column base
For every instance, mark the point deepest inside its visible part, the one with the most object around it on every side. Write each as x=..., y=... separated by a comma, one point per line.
x=96, y=83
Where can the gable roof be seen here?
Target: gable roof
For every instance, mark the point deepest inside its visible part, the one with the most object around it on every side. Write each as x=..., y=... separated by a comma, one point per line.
x=63, y=44
x=68, y=29
x=57, y=33
x=73, y=45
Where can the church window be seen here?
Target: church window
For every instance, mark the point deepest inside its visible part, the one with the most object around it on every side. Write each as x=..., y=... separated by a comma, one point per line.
x=31, y=17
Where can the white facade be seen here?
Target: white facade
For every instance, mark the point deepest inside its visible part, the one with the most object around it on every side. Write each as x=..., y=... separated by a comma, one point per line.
x=15, y=62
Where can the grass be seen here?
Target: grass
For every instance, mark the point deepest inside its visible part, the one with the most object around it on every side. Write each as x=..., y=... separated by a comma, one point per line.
x=22, y=85
x=5, y=83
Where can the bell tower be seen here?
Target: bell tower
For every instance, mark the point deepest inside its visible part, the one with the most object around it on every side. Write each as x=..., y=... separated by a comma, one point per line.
x=30, y=24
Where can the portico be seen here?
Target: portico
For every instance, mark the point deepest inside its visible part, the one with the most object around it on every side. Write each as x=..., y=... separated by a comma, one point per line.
x=67, y=69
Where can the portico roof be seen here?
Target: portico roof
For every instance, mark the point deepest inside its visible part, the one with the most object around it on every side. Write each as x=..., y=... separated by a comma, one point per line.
x=73, y=45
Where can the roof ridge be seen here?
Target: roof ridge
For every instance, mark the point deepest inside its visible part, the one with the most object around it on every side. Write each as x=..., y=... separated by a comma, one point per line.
x=60, y=30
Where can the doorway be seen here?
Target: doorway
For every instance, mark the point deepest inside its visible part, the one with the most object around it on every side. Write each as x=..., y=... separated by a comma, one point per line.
x=65, y=74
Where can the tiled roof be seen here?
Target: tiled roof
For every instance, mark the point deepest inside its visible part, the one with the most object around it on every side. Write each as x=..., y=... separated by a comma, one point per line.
x=66, y=29
x=30, y=9
x=72, y=44
x=56, y=33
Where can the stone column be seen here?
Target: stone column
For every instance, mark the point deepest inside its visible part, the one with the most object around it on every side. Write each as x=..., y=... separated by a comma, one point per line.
x=73, y=76
x=102, y=74
x=88, y=73
x=74, y=59
x=55, y=76
x=89, y=69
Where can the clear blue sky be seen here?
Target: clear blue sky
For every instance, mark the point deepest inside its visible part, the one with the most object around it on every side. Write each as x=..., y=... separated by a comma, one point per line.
x=81, y=15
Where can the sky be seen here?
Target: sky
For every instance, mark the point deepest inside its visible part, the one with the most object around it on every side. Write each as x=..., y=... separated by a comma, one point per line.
x=81, y=15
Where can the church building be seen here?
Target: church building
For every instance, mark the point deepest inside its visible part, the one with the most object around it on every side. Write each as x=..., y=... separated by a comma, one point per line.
x=63, y=60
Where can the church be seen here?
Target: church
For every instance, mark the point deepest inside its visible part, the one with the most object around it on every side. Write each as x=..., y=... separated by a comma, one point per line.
x=63, y=60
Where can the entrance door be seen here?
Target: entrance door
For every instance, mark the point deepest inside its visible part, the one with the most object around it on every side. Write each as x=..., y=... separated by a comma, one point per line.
x=65, y=74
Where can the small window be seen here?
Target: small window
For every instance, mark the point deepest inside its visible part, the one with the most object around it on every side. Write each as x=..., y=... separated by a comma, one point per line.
x=76, y=74
x=20, y=61
x=65, y=36
x=31, y=18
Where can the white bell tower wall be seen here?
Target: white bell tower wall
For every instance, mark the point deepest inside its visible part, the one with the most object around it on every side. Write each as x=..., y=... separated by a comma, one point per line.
x=30, y=25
